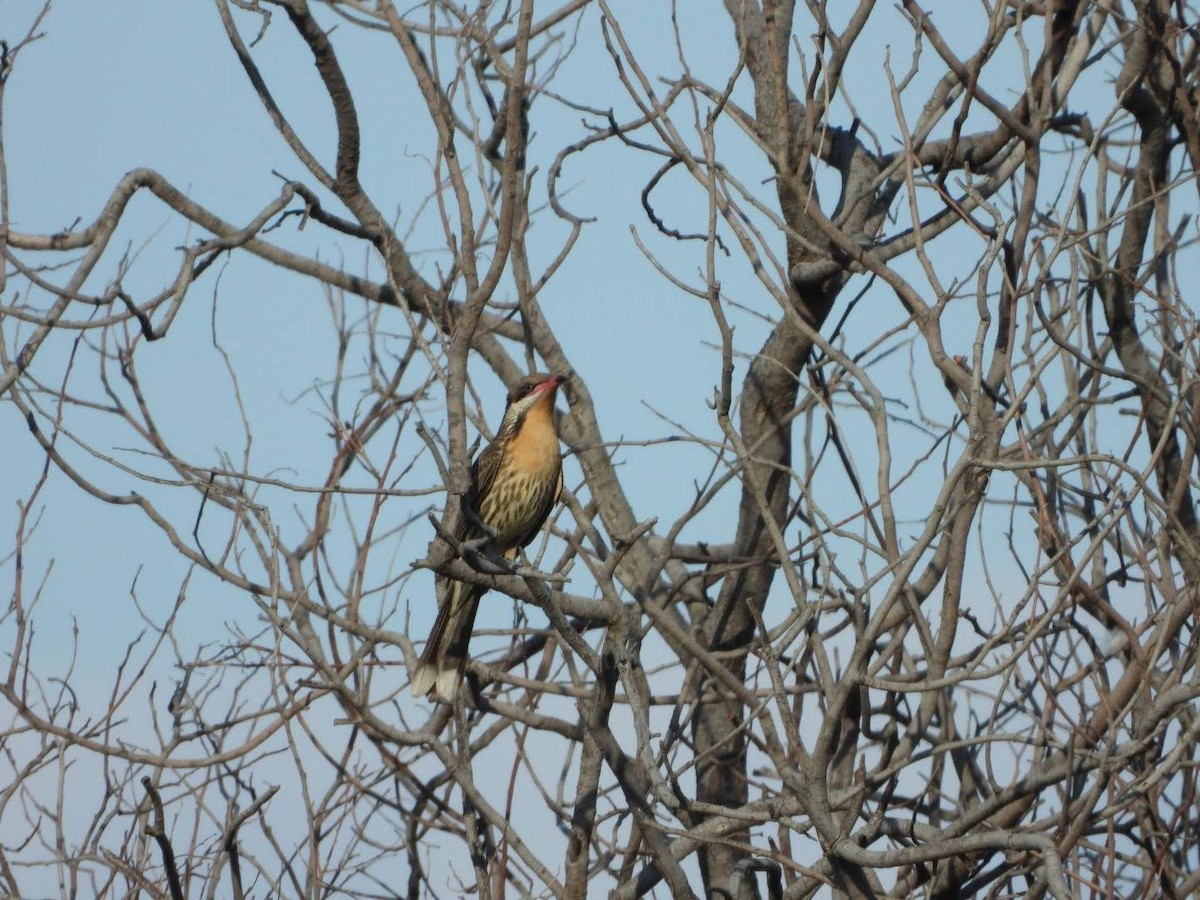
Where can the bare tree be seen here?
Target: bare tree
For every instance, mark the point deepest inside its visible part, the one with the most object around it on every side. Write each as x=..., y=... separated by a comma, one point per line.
x=926, y=625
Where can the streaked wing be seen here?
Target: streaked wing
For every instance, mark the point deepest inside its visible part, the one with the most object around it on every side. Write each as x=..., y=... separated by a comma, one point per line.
x=483, y=475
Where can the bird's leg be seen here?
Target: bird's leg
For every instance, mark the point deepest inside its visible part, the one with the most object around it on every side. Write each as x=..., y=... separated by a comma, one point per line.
x=466, y=549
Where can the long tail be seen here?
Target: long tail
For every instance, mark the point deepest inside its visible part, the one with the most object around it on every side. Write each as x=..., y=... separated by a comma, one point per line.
x=440, y=669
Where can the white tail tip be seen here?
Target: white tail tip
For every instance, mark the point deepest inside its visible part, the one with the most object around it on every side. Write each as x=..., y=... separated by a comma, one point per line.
x=429, y=680
x=423, y=677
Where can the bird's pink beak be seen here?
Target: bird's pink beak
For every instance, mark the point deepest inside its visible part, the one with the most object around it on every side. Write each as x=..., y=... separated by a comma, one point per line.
x=549, y=385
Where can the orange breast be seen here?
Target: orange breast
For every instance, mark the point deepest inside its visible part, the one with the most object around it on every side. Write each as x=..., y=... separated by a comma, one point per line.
x=534, y=449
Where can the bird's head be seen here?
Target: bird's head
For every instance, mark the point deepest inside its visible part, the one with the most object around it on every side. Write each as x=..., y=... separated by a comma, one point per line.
x=529, y=392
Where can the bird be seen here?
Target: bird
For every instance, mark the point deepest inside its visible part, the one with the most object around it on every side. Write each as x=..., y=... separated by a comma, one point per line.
x=515, y=483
